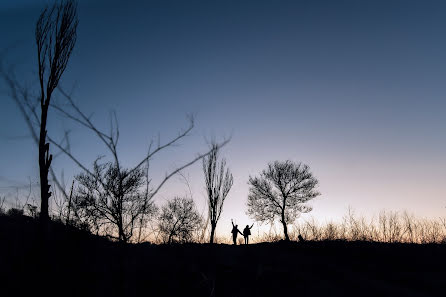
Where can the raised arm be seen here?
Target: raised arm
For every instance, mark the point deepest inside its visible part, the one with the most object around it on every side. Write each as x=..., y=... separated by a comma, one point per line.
x=232, y=222
x=251, y=226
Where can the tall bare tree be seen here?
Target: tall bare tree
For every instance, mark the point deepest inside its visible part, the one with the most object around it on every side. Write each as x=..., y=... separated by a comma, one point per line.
x=55, y=36
x=110, y=139
x=218, y=180
x=281, y=191
x=55, y=39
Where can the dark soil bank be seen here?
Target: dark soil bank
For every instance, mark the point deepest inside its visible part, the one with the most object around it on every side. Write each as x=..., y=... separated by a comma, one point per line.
x=78, y=264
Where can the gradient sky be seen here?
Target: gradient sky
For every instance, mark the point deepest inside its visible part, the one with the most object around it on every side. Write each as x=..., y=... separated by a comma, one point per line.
x=354, y=89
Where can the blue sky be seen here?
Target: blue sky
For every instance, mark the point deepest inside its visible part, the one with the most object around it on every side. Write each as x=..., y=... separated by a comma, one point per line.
x=355, y=89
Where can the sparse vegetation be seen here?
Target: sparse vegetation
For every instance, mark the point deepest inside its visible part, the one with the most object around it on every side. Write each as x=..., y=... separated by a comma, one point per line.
x=100, y=267
x=14, y=212
x=111, y=202
x=388, y=227
x=179, y=221
x=108, y=237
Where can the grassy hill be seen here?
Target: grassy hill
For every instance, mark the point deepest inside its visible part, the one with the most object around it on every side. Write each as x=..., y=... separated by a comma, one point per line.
x=79, y=264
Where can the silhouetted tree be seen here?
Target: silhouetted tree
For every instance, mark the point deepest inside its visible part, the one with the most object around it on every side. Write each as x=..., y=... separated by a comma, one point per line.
x=281, y=191
x=55, y=37
x=2, y=202
x=111, y=200
x=178, y=220
x=120, y=175
x=218, y=183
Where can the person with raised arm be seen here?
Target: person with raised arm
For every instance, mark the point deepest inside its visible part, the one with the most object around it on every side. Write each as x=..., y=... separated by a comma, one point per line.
x=235, y=232
x=247, y=232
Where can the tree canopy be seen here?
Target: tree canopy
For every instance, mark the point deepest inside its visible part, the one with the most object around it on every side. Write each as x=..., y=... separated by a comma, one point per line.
x=281, y=192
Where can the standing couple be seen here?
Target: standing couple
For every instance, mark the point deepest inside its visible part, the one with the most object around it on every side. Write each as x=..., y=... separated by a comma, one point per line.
x=235, y=231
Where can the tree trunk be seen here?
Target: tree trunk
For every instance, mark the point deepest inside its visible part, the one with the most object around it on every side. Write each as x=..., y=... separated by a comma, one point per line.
x=44, y=166
x=285, y=229
x=122, y=237
x=45, y=194
x=67, y=221
x=169, y=240
x=212, y=232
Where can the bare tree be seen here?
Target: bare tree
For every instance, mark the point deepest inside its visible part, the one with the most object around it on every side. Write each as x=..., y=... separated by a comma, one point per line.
x=55, y=39
x=111, y=200
x=99, y=176
x=281, y=192
x=218, y=180
x=55, y=36
x=2, y=202
x=178, y=220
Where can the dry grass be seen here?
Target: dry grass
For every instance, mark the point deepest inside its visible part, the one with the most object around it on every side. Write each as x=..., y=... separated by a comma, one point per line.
x=388, y=226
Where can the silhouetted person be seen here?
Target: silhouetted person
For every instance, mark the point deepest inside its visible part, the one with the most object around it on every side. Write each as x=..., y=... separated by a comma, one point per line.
x=235, y=232
x=301, y=239
x=247, y=232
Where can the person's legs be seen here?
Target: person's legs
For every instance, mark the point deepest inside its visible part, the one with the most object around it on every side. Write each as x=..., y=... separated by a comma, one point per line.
x=234, y=239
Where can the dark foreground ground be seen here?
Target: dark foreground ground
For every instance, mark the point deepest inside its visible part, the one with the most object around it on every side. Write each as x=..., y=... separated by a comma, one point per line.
x=78, y=264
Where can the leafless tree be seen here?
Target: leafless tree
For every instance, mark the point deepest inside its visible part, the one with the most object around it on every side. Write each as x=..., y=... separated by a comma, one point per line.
x=281, y=191
x=218, y=180
x=178, y=220
x=2, y=202
x=55, y=37
x=112, y=200
x=110, y=139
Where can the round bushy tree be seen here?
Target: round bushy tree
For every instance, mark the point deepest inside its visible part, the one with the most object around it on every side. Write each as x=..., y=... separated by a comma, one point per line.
x=281, y=192
x=178, y=220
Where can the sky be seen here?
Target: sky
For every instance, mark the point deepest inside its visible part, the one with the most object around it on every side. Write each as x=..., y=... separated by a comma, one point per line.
x=354, y=89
